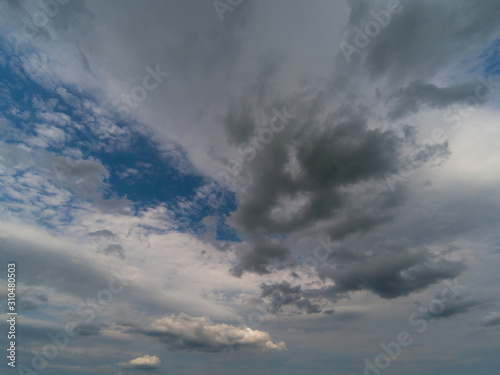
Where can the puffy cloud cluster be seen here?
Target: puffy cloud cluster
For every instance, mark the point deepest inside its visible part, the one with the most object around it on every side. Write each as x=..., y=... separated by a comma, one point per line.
x=184, y=332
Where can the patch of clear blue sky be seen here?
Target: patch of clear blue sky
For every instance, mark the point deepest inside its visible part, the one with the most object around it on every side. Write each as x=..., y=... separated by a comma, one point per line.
x=160, y=182
x=491, y=58
x=487, y=62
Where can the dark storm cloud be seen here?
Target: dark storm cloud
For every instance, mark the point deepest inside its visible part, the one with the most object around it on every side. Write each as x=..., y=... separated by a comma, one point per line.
x=344, y=255
x=240, y=122
x=417, y=94
x=257, y=256
x=283, y=294
x=391, y=272
x=314, y=164
x=358, y=223
x=325, y=169
x=344, y=153
x=239, y=126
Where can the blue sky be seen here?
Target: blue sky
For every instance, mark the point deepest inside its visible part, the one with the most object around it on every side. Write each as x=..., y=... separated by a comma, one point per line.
x=138, y=169
x=250, y=187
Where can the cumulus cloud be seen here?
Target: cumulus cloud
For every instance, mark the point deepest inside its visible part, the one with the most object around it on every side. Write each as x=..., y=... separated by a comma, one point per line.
x=326, y=170
x=184, y=332
x=146, y=362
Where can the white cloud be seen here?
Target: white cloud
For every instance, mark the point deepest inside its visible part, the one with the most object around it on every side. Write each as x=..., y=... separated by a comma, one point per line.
x=184, y=332
x=146, y=362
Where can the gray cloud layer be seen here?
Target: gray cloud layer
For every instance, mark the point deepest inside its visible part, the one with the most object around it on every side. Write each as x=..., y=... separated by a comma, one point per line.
x=325, y=171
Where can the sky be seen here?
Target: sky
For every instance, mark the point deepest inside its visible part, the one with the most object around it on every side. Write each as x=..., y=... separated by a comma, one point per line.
x=251, y=187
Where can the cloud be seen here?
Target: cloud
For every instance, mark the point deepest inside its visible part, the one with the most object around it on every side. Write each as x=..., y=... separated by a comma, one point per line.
x=31, y=301
x=256, y=256
x=89, y=329
x=323, y=175
x=492, y=319
x=412, y=98
x=146, y=362
x=459, y=306
x=283, y=294
x=184, y=332
x=325, y=170
x=103, y=233
x=47, y=263
x=114, y=249
x=390, y=272
x=404, y=50
x=239, y=126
